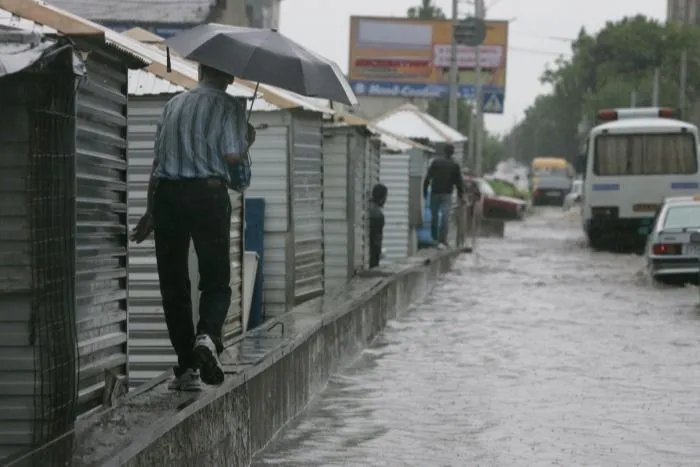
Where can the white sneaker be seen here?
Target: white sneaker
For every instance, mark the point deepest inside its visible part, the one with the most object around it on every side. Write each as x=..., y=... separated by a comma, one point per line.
x=208, y=359
x=189, y=381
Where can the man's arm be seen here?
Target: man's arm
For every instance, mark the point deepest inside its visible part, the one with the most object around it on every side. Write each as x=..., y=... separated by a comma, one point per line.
x=428, y=179
x=234, y=141
x=458, y=180
x=152, y=180
x=151, y=188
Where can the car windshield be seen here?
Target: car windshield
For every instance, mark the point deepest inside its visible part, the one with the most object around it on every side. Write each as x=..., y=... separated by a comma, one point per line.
x=576, y=188
x=681, y=217
x=485, y=188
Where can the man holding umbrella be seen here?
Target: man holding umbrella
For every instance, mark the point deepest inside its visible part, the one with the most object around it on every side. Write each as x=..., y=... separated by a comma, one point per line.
x=201, y=146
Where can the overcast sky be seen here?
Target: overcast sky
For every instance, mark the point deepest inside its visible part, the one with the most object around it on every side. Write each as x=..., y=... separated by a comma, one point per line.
x=538, y=33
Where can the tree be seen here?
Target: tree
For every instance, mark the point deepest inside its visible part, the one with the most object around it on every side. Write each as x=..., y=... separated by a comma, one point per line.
x=604, y=71
x=426, y=10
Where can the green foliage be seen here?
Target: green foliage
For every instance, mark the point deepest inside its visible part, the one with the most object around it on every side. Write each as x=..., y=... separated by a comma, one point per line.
x=426, y=10
x=604, y=71
x=504, y=188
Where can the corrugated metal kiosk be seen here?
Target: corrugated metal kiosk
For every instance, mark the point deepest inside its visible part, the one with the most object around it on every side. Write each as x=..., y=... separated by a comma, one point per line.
x=350, y=170
x=403, y=165
x=63, y=210
x=288, y=174
x=150, y=351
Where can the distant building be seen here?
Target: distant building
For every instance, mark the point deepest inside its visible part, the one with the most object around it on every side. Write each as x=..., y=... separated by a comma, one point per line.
x=683, y=11
x=167, y=17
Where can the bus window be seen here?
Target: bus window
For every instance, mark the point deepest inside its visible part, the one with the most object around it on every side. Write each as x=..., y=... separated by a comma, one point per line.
x=645, y=154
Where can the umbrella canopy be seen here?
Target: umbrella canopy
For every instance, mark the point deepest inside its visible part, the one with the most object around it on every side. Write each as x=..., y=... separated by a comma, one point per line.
x=264, y=56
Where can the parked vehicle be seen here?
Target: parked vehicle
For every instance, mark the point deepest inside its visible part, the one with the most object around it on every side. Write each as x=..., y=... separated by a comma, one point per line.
x=631, y=162
x=670, y=255
x=490, y=204
x=551, y=179
x=574, y=196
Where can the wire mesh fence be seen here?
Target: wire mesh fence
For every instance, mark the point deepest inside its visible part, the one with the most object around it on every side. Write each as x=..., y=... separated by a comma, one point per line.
x=49, y=97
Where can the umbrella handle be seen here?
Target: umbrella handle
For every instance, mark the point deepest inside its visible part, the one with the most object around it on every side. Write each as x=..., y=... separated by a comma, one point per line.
x=252, y=102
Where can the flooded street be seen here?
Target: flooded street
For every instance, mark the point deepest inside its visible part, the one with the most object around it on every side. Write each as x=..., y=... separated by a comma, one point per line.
x=534, y=352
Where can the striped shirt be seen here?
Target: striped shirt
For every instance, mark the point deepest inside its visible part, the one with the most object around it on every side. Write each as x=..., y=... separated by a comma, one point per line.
x=197, y=129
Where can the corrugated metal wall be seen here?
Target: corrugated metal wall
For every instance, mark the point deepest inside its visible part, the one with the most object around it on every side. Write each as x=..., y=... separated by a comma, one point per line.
x=271, y=181
x=395, y=174
x=361, y=197
x=234, y=324
x=150, y=351
x=372, y=170
x=38, y=366
x=307, y=207
x=17, y=356
x=101, y=237
x=338, y=215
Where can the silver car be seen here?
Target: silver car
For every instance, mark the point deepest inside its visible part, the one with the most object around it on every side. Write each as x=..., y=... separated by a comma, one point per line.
x=670, y=255
x=574, y=195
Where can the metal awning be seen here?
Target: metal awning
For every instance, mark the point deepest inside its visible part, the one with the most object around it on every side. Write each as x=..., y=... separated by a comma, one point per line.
x=20, y=50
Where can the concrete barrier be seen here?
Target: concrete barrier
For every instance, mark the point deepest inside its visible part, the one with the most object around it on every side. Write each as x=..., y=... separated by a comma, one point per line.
x=272, y=373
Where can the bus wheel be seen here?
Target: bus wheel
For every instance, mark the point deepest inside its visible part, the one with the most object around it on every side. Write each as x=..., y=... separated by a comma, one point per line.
x=596, y=240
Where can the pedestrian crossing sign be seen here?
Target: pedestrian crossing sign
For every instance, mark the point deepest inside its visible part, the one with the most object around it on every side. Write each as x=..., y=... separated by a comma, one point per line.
x=493, y=103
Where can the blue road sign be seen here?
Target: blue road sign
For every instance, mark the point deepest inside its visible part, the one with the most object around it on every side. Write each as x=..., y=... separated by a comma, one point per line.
x=494, y=96
x=493, y=102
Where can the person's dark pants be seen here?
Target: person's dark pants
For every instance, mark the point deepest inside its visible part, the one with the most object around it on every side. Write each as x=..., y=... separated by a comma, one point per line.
x=375, y=254
x=199, y=210
x=440, y=203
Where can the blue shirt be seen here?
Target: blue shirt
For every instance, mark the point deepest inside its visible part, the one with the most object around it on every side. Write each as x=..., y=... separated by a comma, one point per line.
x=197, y=129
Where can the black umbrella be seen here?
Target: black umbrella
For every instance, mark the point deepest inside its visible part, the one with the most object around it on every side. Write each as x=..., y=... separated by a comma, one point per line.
x=264, y=56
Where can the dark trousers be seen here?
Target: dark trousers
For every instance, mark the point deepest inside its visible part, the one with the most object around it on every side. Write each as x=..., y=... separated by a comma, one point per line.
x=199, y=210
x=375, y=254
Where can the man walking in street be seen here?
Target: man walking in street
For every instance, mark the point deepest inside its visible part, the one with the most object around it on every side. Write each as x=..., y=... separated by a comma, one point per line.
x=200, y=148
x=376, y=223
x=444, y=175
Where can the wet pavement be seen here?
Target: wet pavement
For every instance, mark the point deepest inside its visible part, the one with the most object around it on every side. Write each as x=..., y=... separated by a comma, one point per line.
x=535, y=352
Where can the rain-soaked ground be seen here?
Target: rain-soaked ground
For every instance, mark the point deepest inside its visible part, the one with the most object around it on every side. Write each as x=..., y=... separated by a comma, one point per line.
x=535, y=352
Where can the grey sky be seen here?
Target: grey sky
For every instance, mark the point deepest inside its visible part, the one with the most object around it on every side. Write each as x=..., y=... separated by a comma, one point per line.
x=323, y=25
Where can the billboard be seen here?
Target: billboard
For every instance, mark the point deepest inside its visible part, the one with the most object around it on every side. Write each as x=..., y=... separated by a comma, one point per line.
x=405, y=57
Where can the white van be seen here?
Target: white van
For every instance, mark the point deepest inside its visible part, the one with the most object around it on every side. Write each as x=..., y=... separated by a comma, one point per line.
x=630, y=164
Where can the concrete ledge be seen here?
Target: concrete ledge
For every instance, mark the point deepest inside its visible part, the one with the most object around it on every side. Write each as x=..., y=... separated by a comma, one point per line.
x=272, y=373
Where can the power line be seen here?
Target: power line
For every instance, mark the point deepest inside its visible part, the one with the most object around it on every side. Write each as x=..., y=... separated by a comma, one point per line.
x=535, y=51
x=541, y=36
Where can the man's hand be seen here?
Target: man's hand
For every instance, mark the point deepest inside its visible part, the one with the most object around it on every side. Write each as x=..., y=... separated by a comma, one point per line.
x=143, y=229
x=250, y=135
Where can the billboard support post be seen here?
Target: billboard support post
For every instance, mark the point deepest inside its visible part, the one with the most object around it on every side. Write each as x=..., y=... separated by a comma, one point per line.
x=453, y=104
x=478, y=102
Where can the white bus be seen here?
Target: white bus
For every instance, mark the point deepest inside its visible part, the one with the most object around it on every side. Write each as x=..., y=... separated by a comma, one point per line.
x=630, y=164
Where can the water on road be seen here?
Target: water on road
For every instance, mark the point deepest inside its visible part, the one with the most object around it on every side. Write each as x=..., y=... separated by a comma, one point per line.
x=535, y=352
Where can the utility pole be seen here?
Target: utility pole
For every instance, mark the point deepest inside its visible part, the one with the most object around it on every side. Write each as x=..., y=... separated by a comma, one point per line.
x=470, y=158
x=657, y=85
x=683, y=83
x=454, y=71
x=480, y=14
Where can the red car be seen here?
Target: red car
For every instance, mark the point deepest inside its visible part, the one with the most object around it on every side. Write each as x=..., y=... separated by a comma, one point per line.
x=490, y=204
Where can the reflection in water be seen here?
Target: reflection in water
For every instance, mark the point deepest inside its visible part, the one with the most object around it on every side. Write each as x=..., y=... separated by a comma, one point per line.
x=536, y=352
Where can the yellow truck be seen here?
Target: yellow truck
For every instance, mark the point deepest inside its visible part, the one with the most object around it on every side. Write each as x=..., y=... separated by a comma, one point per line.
x=551, y=180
